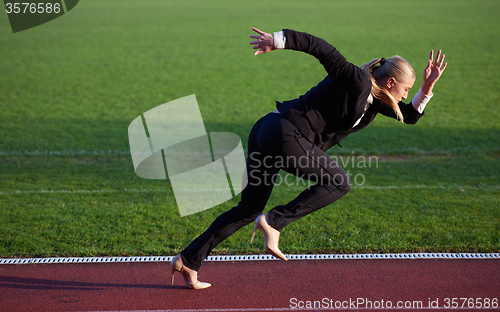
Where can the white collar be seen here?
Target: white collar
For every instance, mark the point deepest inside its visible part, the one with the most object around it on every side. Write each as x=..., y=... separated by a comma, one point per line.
x=369, y=100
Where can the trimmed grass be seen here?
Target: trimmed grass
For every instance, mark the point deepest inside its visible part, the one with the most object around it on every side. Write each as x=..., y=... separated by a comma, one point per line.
x=70, y=88
x=415, y=204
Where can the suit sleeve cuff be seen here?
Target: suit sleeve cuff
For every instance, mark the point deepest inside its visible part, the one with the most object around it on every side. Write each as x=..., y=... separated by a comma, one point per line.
x=279, y=40
x=420, y=100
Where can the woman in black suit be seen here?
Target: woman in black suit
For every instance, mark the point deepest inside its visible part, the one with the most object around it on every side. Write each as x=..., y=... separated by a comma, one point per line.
x=296, y=136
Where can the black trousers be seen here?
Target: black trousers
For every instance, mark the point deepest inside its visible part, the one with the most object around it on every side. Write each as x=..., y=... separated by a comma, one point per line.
x=274, y=144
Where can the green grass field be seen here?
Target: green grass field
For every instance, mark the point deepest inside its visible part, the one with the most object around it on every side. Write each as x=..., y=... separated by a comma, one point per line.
x=70, y=88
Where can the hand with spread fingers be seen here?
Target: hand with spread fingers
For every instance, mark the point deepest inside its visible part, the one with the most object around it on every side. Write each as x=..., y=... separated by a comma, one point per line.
x=433, y=71
x=265, y=42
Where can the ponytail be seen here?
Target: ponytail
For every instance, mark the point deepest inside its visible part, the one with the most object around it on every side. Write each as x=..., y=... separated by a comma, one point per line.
x=395, y=67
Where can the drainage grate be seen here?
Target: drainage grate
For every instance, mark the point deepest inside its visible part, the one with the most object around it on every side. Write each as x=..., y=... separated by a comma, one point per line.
x=255, y=258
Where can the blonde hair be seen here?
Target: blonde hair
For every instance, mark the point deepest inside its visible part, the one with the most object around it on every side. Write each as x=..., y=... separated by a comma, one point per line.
x=395, y=67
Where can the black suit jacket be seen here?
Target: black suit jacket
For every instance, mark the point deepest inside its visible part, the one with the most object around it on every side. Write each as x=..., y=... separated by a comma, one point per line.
x=326, y=113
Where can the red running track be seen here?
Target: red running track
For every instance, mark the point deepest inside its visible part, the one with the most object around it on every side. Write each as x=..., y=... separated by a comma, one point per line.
x=367, y=285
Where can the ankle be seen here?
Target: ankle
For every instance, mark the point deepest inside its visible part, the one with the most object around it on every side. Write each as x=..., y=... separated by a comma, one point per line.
x=270, y=222
x=193, y=275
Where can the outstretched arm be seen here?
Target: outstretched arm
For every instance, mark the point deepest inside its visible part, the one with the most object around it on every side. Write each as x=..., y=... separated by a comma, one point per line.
x=337, y=67
x=432, y=73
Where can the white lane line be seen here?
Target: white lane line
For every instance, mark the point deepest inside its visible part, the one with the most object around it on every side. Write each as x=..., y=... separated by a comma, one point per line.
x=168, y=190
x=62, y=153
x=299, y=309
x=29, y=192
x=390, y=256
x=411, y=151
